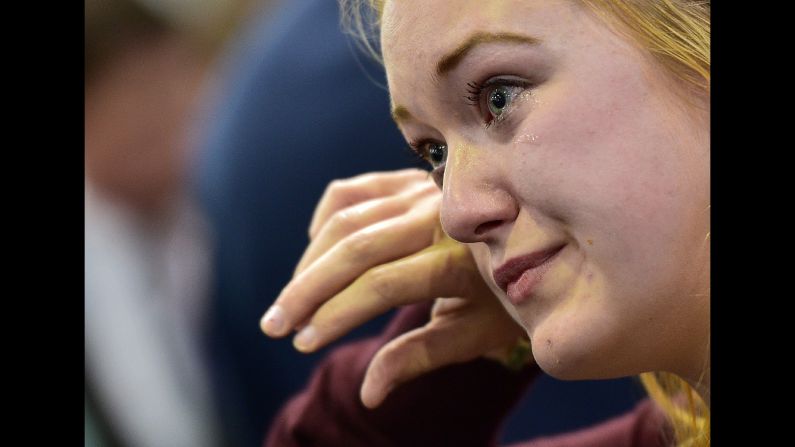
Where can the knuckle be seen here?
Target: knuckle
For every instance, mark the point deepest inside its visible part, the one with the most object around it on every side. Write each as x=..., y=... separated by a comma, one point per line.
x=365, y=180
x=344, y=221
x=415, y=172
x=418, y=190
x=336, y=188
x=367, y=177
x=358, y=245
x=417, y=359
x=382, y=282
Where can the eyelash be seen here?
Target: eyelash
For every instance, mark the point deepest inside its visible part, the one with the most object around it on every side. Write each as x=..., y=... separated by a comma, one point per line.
x=474, y=90
x=415, y=149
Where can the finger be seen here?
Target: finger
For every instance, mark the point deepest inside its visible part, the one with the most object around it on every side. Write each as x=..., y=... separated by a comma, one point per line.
x=341, y=194
x=439, y=343
x=377, y=244
x=349, y=220
x=439, y=270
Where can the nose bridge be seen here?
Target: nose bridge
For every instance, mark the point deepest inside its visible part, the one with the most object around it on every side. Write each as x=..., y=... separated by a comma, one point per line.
x=474, y=204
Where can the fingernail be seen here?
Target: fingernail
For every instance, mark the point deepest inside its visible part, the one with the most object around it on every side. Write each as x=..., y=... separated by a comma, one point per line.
x=306, y=339
x=272, y=322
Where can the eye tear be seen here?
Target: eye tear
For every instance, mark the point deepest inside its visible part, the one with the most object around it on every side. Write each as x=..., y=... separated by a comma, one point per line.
x=526, y=138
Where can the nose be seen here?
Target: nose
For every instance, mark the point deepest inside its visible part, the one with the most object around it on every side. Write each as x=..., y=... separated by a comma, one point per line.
x=476, y=206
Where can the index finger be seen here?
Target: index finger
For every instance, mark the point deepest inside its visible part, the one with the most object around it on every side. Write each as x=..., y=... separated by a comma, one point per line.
x=341, y=194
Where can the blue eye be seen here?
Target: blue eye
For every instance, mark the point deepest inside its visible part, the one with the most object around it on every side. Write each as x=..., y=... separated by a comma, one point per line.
x=499, y=100
x=496, y=97
x=436, y=154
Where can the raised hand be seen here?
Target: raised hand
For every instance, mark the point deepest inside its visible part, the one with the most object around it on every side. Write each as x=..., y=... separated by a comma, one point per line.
x=376, y=244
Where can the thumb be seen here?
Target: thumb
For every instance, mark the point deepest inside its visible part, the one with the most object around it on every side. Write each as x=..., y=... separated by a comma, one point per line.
x=438, y=344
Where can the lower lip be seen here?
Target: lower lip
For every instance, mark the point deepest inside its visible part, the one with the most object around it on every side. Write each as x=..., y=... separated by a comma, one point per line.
x=522, y=289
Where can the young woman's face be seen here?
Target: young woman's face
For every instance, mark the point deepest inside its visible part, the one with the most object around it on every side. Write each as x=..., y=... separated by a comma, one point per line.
x=573, y=166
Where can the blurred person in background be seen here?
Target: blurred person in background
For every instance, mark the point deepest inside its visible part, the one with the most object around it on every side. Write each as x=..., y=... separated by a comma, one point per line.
x=145, y=243
x=294, y=107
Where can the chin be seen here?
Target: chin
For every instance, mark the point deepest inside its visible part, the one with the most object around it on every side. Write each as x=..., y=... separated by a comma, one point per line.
x=567, y=356
x=561, y=367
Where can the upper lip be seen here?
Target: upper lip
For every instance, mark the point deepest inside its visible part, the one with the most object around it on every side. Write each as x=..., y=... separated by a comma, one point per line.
x=512, y=269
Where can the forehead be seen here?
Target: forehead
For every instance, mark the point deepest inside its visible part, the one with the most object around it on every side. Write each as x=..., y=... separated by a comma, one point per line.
x=417, y=34
x=424, y=25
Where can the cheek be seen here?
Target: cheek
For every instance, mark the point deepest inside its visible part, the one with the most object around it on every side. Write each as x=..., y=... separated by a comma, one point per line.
x=614, y=164
x=602, y=145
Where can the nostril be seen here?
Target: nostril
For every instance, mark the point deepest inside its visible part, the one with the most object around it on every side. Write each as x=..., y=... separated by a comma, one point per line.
x=485, y=227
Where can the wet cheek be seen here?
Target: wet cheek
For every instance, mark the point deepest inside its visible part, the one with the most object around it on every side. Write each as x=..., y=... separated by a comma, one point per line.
x=619, y=212
x=581, y=151
x=596, y=160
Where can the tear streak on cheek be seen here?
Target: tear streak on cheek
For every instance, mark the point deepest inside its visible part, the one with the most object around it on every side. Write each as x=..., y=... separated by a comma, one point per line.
x=525, y=139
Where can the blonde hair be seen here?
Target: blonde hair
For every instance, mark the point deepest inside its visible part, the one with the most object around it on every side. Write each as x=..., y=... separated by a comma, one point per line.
x=687, y=412
x=677, y=34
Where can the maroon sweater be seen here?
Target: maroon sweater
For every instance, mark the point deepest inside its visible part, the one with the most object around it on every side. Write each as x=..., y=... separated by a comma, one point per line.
x=459, y=405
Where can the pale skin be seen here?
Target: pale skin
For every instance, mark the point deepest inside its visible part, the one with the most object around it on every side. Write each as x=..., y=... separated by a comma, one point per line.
x=594, y=150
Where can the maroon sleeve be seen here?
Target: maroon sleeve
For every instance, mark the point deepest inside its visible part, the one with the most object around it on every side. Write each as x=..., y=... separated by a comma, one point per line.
x=461, y=405
x=644, y=426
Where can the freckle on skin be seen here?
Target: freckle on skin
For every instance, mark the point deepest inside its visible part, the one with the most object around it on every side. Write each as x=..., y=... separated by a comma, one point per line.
x=590, y=241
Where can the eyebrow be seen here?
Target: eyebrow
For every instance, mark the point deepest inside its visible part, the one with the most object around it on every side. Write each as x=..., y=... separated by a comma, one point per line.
x=452, y=59
x=400, y=113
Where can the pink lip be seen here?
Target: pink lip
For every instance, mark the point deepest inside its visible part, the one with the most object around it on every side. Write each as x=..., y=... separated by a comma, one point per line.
x=519, y=276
